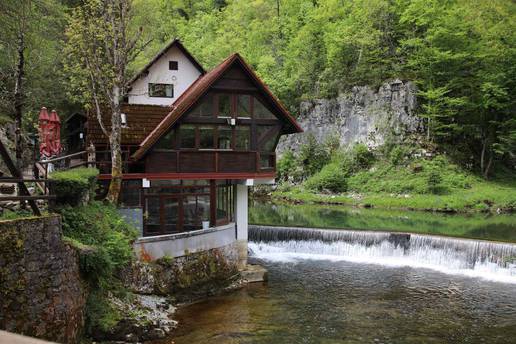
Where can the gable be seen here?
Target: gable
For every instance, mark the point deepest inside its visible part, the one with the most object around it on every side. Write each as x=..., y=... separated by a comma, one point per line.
x=235, y=79
x=173, y=70
x=229, y=75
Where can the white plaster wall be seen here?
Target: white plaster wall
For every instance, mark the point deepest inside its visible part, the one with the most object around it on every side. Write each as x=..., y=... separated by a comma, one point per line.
x=160, y=74
x=241, y=211
x=177, y=245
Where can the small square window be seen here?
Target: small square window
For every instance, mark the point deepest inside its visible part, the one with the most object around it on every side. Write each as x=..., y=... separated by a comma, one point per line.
x=172, y=65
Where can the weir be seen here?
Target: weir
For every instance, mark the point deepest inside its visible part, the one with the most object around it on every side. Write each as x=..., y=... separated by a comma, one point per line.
x=476, y=258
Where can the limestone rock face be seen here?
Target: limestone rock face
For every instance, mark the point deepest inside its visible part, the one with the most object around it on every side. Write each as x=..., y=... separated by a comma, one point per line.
x=364, y=115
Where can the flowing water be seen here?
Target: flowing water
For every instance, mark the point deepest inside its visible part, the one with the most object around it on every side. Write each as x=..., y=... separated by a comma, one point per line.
x=356, y=286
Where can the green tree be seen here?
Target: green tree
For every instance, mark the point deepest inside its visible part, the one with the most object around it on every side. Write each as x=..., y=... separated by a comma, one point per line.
x=100, y=47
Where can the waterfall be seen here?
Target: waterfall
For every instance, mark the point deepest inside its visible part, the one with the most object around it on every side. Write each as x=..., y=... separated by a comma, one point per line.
x=475, y=258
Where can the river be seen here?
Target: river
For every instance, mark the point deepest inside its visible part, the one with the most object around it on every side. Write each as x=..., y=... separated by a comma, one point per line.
x=340, y=286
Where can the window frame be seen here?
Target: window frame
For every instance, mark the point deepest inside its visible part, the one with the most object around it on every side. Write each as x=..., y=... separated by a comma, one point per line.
x=152, y=84
x=172, y=64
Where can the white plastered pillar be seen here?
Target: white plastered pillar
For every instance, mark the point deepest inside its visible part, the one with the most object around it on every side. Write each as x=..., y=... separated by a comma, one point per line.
x=241, y=218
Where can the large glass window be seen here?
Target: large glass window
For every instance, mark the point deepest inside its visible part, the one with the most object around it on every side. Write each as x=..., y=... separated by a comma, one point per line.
x=130, y=193
x=261, y=112
x=224, y=203
x=267, y=137
x=196, y=210
x=167, y=141
x=242, y=138
x=243, y=105
x=206, y=137
x=161, y=90
x=225, y=137
x=187, y=135
x=224, y=105
x=204, y=108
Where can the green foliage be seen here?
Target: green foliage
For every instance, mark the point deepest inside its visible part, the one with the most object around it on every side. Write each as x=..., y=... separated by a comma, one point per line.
x=460, y=54
x=71, y=187
x=330, y=178
x=106, y=236
x=312, y=156
x=100, y=313
x=286, y=165
x=434, y=181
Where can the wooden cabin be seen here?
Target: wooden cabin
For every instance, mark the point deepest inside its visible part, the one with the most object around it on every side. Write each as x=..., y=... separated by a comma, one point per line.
x=188, y=164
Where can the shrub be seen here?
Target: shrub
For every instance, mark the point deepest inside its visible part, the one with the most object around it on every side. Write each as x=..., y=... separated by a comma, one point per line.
x=74, y=187
x=398, y=154
x=434, y=181
x=331, y=178
x=286, y=165
x=312, y=157
x=362, y=157
x=106, y=238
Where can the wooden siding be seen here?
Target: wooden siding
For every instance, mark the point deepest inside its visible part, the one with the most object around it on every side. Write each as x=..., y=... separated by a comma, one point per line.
x=141, y=120
x=204, y=162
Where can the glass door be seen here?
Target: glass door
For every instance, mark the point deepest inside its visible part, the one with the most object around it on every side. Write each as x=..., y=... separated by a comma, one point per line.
x=152, y=216
x=162, y=215
x=171, y=214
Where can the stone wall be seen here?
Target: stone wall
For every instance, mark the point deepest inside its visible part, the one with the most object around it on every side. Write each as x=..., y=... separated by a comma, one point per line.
x=41, y=294
x=190, y=277
x=364, y=115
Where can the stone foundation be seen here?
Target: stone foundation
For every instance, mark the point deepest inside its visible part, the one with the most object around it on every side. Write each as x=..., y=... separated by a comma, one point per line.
x=189, y=277
x=41, y=293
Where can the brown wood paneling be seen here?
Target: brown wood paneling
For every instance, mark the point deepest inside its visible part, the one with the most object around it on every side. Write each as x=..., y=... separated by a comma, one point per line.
x=237, y=162
x=196, y=162
x=157, y=161
x=141, y=120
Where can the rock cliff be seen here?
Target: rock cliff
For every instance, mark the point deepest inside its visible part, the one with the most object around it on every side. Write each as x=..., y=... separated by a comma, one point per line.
x=364, y=115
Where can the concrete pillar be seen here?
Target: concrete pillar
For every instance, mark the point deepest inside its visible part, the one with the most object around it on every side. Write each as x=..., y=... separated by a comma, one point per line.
x=241, y=218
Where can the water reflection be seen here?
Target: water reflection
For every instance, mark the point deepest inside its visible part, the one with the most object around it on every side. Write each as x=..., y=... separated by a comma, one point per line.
x=477, y=226
x=342, y=302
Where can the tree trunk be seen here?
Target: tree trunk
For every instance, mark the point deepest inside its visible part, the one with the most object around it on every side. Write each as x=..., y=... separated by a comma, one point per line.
x=488, y=167
x=18, y=97
x=115, y=139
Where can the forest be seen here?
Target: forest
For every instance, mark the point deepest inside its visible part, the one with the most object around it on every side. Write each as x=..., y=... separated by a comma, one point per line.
x=461, y=54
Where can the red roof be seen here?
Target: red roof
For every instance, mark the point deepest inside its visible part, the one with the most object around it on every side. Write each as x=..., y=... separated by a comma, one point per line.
x=197, y=90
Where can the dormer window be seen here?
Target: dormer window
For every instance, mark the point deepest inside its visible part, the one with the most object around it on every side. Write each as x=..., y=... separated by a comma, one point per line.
x=172, y=65
x=161, y=90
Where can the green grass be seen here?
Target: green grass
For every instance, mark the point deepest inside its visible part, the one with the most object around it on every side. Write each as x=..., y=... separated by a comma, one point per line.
x=476, y=226
x=419, y=184
x=481, y=196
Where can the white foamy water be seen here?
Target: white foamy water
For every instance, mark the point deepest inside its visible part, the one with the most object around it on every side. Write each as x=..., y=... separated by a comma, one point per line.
x=473, y=258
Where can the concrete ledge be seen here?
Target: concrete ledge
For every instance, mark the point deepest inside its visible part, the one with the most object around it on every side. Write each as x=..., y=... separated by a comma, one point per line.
x=180, y=244
x=13, y=338
x=254, y=273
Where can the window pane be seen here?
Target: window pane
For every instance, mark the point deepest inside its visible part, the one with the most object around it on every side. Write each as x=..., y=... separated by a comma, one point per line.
x=224, y=105
x=167, y=141
x=266, y=160
x=206, y=137
x=172, y=65
x=244, y=105
x=170, y=214
x=196, y=209
x=187, y=134
x=130, y=193
x=204, y=108
x=169, y=91
x=161, y=90
x=267, y=137
x=261, y=112
x=243, y=138
x=224, y=138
